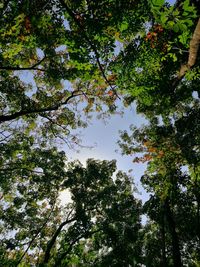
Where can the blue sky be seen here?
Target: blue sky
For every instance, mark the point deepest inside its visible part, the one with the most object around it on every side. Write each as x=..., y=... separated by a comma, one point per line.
x=103, y=137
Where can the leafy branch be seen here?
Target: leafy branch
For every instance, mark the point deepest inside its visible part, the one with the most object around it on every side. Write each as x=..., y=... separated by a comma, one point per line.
x=62, y=256
x=35, y=236
x=26, y=112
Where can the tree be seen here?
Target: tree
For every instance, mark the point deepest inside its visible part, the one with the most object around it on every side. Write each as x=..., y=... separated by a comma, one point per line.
x=150, y=69
x=159, y=71
x=35, y=38
x=69, y=52
x=54, y=43
x=173, y=205
x=103, y=215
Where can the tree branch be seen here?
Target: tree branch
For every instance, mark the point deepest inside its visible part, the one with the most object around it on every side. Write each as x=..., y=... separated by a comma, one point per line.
x=33, y=67
x=22, y=112
x=5, y=137
x=5, y=5
x=194, y=45
x=53, y=239
x=19, y=169
x=62, y=256
x=193, y=52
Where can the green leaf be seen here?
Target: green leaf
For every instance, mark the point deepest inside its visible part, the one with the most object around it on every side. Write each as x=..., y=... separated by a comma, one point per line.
x=183, y=28
x=163, y=18
x=170, y=24
x=158, y=3
x=124, y=26
x=176, y=27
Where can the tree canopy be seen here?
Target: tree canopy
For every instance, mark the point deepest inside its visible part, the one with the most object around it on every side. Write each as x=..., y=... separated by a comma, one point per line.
x=63, y=61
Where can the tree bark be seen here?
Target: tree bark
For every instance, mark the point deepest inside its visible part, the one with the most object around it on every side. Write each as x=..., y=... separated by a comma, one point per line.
x=193, y=52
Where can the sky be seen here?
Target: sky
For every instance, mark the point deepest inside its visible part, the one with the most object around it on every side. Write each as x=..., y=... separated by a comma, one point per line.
x=103, y=137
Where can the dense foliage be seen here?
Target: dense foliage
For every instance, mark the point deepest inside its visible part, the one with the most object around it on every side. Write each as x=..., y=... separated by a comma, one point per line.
x=62, y=61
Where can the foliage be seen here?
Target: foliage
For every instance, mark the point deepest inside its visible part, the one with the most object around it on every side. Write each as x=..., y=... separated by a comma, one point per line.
x=103, y=211
x=63, y=61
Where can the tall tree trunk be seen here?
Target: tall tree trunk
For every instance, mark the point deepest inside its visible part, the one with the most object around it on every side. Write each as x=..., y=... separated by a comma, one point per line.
x=197, y=196
x=175, y=240
x=198, y=217
x=163, y=245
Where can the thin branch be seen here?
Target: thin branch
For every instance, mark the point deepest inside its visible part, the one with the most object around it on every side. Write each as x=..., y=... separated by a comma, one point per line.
x=33, y=67
x=62, y=138
x=19, y=68
x=5, y=5
x=5, y=137
x=55, y=122
x=21, y=168
x=34, y=237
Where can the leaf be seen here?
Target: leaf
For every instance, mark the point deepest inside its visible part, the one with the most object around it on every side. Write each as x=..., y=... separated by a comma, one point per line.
x=110, y=93
x=163, y=18
x=176, y=27
x=124, y=26
x=170, y=24
x=183, y=28
x=158, y=3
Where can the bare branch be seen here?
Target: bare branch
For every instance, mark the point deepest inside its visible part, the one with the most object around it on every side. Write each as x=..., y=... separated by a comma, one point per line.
x=194, y=45
x=5, y=137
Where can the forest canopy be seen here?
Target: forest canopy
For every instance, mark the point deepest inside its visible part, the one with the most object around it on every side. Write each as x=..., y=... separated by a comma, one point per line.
x=63, y=61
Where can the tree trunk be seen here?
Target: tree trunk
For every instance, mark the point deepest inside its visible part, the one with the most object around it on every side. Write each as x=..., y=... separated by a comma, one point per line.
x=175, y=240
x=163, y=245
